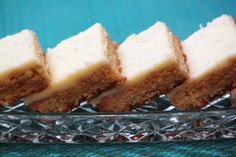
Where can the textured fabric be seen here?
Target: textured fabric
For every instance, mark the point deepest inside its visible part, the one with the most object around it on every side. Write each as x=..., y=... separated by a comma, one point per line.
x=226, y=148
x=54, y=20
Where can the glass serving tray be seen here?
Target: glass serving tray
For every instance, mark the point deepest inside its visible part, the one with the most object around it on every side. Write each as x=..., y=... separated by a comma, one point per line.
x=156, y=121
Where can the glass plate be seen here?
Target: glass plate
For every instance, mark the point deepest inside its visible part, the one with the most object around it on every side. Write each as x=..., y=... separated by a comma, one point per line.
x=155, y=121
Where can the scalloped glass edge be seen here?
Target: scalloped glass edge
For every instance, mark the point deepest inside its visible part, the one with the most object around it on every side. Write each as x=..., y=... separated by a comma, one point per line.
x=156, y=121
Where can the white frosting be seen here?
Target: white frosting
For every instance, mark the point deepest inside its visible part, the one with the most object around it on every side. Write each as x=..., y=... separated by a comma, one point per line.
x=73, y=59
x=17, y=51
x=148, y=50
x=210, y=46
x=77, y=53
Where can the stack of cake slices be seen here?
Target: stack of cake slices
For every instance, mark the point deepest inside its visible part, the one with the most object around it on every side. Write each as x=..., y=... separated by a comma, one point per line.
x=116, y=78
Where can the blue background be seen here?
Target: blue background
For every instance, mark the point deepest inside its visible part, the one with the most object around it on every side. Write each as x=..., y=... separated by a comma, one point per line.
x=54, y=21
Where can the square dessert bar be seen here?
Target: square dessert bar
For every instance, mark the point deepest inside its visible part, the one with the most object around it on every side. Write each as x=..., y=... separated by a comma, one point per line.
x=153, y=64
x=22, y=67
x=211, y=58
x=81, y=67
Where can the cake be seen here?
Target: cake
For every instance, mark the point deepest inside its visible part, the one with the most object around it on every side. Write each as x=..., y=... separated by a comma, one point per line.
x=152, y=62
x=81, y=67
x=211, y=58
x=22, y=67
x=233, y=95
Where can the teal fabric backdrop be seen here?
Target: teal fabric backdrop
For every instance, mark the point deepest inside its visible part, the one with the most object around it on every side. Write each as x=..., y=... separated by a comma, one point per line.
x=55, y=20
x=226, y=148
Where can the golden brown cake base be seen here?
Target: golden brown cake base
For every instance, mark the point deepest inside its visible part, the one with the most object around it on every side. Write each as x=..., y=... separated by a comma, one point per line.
x=86, y=88
x=155, y=84
x=194, y=94
x=21, y=83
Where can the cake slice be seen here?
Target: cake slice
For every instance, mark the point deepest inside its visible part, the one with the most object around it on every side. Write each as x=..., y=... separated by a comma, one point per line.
x=22, y=67
x=153, y=64
x=81, y=67
x=211, y=57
